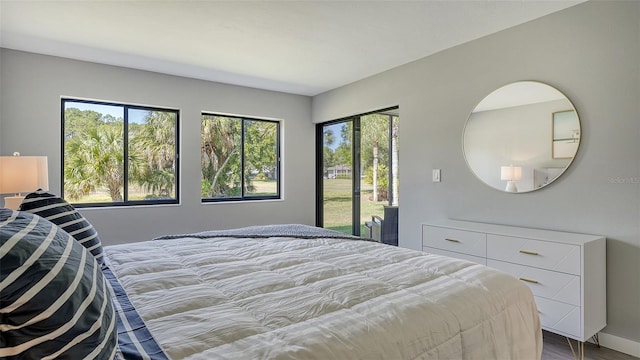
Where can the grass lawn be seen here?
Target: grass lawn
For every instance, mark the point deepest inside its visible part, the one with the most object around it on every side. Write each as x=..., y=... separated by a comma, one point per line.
x=264, y=187
x=102, y=196
x=261, y=187
x=337, y=205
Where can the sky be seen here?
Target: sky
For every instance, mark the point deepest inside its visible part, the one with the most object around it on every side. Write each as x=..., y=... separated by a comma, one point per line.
x=135, y=115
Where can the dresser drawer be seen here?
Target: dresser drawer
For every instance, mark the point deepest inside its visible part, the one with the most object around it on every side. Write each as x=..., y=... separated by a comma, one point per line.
x=551, y=285
x=541, y=254
x=475, y=259
x=559, y=317
x=459, y=241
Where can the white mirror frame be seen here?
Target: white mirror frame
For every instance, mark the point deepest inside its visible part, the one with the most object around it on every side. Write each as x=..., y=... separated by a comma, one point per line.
x=521, y=137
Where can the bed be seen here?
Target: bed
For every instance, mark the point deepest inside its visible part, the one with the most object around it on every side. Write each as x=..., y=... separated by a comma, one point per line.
x=301, y=292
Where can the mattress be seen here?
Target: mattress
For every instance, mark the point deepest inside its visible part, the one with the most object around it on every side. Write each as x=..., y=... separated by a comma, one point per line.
x=278, y=293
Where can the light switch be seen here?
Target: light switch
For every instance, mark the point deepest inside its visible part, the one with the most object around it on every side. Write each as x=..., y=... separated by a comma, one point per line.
x=436, y=175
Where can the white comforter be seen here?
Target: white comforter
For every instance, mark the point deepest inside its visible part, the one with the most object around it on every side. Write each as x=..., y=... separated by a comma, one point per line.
x=285, y=298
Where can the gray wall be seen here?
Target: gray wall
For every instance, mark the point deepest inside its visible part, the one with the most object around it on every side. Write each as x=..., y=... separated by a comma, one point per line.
x=33, y=84
x=590, y=52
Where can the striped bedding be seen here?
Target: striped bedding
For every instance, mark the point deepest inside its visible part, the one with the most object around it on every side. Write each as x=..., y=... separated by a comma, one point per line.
x=63, y=214
x=53, y=299
x=278, y=296
x=134, y=339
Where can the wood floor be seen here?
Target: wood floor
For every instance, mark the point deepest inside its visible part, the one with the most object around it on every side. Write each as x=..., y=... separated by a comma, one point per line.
x=556, y=348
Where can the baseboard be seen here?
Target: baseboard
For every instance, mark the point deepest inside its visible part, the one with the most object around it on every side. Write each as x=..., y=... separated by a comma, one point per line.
x=620, y=344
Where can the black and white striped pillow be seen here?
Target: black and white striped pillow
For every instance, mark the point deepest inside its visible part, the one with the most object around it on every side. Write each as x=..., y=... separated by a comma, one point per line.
x=63, y=214
x=54, y=301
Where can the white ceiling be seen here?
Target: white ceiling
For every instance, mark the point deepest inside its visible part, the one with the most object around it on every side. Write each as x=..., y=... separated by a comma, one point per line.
x=300, y=47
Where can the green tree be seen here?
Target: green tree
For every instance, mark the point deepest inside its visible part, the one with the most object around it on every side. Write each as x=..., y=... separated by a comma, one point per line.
x=260, y=149
x=77, y=122
x=342, y=153
x=95, y=158
x=94, y=152
x=152, y=149
x=226, y=152
x=395, y=123
x=220, y=156
x=329, y=137
x=328, y=157
x=375, y=135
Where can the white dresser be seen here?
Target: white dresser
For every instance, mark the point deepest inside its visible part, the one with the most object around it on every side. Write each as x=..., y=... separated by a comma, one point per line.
x=565, y=271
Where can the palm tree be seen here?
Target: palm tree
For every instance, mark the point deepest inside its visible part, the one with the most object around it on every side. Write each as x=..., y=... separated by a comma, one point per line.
x=152, y=149
x=94, y=159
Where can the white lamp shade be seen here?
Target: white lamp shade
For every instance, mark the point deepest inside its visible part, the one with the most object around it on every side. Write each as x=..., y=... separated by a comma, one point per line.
x=20, y=174
x=510, y=173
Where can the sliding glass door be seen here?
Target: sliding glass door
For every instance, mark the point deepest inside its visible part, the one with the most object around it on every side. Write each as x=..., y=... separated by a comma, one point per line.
x=357, y=160
x=337, y=176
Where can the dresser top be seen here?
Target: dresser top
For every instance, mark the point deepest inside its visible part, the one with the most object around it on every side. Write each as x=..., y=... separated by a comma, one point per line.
x=515, y=231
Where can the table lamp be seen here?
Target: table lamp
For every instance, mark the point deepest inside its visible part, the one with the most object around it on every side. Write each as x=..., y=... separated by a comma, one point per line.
x=22, y=174
x=511, y=174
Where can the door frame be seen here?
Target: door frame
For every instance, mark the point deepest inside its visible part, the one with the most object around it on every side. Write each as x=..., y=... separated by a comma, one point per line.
x=356, y=165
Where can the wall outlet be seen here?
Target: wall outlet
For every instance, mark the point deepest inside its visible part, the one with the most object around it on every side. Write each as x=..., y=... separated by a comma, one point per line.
x=436, y=175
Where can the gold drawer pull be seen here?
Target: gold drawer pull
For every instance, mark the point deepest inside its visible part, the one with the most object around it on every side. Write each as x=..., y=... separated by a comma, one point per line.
x=530, y=280
x=452, y=240
x=529, y=252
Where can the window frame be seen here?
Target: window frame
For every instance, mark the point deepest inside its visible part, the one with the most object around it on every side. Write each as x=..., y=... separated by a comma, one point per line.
x=125, y=107
x=244, y=197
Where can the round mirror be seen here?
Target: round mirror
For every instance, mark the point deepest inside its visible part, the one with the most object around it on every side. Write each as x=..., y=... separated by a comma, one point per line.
x=521, y=137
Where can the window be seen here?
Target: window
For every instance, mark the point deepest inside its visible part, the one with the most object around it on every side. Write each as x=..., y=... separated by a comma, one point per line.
x=116, y=154
x=240, y=158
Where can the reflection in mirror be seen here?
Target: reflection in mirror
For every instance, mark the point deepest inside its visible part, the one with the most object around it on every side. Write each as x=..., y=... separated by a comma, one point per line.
x=521, y=137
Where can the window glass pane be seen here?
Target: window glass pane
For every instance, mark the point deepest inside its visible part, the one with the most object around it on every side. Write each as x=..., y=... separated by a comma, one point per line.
x=221, y=156
x=260, y=158
x=374, y=183
x=337, y=172
x=93, y=152
x=151, y=154
x=117, y=154
x=395, y=148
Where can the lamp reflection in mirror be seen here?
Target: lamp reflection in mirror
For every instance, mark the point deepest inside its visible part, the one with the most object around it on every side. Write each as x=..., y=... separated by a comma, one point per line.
x=511, y=174
x=22, y=174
